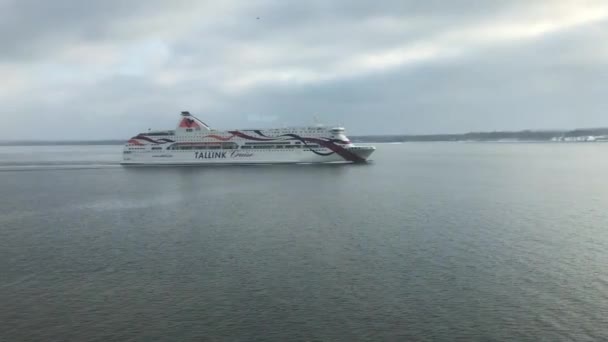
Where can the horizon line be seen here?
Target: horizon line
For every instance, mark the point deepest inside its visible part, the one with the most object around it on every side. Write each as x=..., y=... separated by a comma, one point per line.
x=4, y=141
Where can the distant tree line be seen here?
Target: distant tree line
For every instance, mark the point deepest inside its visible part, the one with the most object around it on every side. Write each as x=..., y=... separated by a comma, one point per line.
x=526, y=135
x=61, y=142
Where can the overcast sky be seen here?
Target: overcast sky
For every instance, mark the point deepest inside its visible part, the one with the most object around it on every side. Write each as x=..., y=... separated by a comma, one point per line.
x=73, y=69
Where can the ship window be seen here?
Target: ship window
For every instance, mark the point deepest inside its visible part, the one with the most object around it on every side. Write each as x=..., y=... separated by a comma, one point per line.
x=203, y=146
x=245, y=146
x=157, y=148
x=229, y=146
x=188, y=129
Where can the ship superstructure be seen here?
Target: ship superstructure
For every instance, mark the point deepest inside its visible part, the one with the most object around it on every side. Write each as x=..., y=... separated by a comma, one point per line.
x=194, y=142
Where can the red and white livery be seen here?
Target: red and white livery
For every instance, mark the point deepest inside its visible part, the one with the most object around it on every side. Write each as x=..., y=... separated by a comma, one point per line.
x=194, y=142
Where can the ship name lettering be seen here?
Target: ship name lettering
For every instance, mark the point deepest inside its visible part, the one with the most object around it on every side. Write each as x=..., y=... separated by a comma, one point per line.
x=209, y=155
x=237, y=154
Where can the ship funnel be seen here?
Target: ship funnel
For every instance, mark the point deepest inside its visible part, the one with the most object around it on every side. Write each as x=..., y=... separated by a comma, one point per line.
x=191, y=123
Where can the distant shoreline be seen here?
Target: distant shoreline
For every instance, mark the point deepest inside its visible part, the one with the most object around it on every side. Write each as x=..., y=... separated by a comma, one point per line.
x=578, y=135
x=61, y=142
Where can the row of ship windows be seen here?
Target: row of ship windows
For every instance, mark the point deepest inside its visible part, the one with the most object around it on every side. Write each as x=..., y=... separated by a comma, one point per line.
x=244, y=147
x=190, y=130
x=273, y=131
x=274, y=147
x=288, y=130
x=172, y=133
x=266, y=148
x=212, y=145
x=189, y=139
x=279, y=150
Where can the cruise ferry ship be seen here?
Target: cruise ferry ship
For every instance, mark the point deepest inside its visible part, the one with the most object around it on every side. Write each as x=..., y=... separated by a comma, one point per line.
x=193, y=142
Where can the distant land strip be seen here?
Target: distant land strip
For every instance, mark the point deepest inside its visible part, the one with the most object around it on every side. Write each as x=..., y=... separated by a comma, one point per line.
x=60, y=142
x=591, y=134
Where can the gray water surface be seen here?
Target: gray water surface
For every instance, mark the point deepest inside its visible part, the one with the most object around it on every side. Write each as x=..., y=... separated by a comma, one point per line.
x=433, y=241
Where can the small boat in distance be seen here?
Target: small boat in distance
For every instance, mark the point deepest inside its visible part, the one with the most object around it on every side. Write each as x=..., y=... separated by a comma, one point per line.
x=193, y=142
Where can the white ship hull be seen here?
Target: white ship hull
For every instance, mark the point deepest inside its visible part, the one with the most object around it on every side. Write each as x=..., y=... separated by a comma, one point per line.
x=194, y=143
x=237, y=157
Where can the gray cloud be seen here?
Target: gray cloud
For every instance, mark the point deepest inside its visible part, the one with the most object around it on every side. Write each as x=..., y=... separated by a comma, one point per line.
x=30, y=28
x=110, y=69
